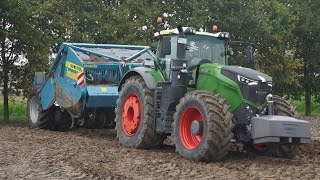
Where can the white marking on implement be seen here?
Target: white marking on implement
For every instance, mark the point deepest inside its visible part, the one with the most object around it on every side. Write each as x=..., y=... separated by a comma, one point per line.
x=262, y=79
x=80, y=80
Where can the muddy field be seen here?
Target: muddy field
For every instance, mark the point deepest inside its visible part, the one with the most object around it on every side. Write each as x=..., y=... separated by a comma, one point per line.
x=95, y=154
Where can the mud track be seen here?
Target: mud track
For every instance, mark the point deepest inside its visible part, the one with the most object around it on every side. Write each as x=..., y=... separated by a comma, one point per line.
x=95, y=154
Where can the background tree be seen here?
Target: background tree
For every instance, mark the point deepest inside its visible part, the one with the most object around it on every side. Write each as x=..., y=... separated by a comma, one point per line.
x=307, y=48
x=19, y=38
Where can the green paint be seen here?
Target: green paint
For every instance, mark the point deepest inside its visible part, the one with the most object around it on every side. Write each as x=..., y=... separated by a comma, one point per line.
x=157, y=75
x=211, y=79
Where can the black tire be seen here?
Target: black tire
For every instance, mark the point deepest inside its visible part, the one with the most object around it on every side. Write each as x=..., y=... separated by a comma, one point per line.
x=104, y=118
x=94, y=119
x=216, y=132
x=281, y=108
x=110, y=121
x=38, y=118
x=62, y=119
x=144, y=135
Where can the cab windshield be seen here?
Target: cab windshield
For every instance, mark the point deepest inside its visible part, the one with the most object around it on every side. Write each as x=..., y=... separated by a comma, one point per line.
x=206, y=47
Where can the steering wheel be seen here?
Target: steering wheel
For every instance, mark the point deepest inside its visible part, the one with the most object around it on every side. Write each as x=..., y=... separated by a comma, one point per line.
x=197, y=62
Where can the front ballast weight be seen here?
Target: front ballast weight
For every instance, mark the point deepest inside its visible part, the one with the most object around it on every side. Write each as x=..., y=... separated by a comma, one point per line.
x=273, y=128
x=279, y=129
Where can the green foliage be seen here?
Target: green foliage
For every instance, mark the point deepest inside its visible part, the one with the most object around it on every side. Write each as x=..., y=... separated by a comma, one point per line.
x=17, y=108
x=20, y=38
x=300, y=107
x=307, y=48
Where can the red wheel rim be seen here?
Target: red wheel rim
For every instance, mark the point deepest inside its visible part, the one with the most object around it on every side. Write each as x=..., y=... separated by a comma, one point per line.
x=131, y=114
x=260, y=147
x=189, y=140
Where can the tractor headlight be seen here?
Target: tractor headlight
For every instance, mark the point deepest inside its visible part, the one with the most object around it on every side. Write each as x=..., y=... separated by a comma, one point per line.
x=247, y=80
x=190, y=31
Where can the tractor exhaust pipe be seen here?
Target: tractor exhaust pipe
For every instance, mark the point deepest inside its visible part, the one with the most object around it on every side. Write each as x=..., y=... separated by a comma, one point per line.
x=179, y=65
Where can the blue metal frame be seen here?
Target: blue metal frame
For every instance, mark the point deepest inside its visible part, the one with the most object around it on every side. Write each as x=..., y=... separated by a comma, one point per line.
x=82, y=47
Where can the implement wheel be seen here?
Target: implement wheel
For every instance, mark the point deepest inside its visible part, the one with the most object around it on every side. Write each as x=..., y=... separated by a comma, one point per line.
x=37, y=117
x=134, y=115
x=62, y=119
x=282, y=108
x=202, y=127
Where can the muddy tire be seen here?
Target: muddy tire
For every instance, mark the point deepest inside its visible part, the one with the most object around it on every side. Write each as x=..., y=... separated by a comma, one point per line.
x=62, y=119
x=282, y=108
x=272, y=150
x=104, y=119
x=134, y=115
x=110, y=122
x=38, y=118
x=202, y=127
x=100, y=118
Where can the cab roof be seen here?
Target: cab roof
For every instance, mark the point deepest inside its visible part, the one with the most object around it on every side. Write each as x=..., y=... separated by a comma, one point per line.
x=175, y=31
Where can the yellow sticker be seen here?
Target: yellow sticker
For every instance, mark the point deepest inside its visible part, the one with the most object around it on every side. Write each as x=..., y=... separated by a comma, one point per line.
x=74, y=66
x=72, y=75
x=104, y=89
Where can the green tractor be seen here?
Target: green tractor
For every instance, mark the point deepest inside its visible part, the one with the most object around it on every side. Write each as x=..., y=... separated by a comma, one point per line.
x=189, y=91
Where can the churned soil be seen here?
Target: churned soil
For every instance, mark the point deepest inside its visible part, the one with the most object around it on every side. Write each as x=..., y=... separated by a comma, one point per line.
x=96, y=154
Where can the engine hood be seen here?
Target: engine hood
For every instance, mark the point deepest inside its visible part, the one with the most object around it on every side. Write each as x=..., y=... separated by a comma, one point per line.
x=234, y=72
x=254, y=85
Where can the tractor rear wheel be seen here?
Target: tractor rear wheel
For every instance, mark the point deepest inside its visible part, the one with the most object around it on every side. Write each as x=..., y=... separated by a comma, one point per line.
x=202, y=127
x=134, y=115
x=282, y=108
x=37, y=117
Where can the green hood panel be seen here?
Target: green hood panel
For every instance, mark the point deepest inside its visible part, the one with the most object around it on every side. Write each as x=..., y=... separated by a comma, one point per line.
x=211, y=79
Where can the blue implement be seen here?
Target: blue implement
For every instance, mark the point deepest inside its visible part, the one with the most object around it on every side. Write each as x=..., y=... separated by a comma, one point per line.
x=85, y=76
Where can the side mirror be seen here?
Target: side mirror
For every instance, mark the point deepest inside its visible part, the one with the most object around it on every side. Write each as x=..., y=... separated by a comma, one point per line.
x=148, y=63
x=166, y=45
x=230, y=51
x=249, y=54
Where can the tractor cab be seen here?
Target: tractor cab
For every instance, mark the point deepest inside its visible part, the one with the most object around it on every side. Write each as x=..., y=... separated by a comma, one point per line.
x=202, y=47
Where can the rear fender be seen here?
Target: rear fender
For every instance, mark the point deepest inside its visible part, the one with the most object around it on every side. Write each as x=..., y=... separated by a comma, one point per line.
x=150, y=76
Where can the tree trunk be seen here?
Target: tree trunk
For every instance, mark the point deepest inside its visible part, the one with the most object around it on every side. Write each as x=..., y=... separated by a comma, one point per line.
x=5, y=76
x=307, y=88
x=5, y=98
x=307, y=102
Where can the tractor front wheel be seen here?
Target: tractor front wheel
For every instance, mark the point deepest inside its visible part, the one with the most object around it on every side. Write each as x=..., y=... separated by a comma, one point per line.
x=282, y=108
x=134, y=115
x=202, y=127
